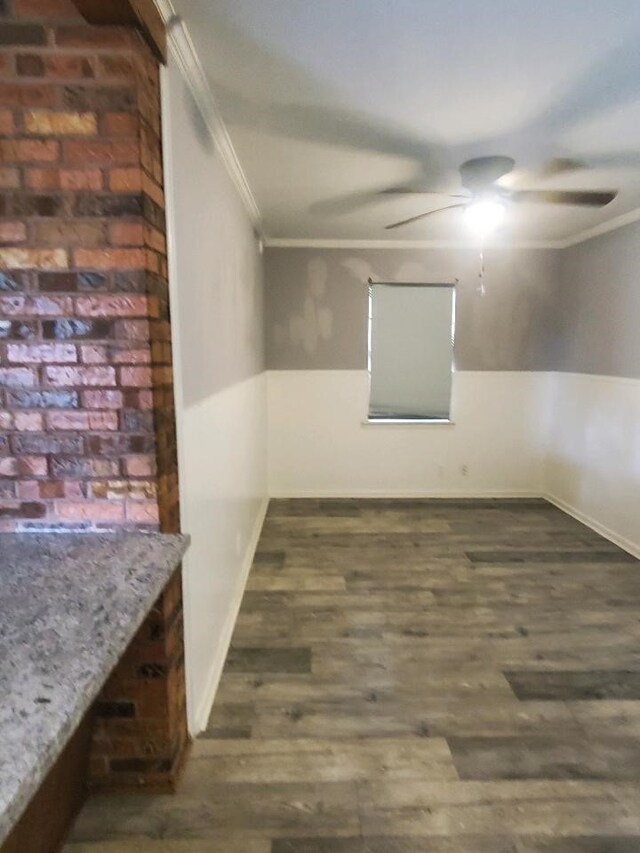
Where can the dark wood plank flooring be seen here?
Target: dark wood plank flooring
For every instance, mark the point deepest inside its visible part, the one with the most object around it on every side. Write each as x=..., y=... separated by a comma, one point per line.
x=414, y=676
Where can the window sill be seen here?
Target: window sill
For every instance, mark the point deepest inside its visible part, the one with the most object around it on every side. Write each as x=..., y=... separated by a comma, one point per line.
x=408, y=422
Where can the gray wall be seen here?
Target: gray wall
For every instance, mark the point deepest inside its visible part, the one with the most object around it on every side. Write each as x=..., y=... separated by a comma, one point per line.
x=599, y=305
x=316, y=305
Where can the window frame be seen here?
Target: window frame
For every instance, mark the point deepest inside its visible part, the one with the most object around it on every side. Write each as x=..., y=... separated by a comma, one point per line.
x=405, y=421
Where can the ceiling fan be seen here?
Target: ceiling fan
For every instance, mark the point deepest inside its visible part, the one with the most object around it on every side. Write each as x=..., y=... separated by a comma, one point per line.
x=485, y=200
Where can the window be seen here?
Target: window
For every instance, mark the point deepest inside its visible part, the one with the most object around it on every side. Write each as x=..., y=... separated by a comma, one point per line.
x=410, y=351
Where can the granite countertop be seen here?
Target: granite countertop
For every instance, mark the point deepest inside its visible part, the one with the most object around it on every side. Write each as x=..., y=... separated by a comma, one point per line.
x=70, y=603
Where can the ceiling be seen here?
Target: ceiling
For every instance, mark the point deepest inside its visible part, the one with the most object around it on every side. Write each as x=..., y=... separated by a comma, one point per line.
x=325, y=100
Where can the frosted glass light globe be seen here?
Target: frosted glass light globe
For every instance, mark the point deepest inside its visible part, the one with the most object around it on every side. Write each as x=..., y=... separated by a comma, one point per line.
x=483, y=217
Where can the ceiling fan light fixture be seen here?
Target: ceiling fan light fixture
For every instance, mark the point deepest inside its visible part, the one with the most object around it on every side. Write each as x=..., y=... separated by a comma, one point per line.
x=485, y=215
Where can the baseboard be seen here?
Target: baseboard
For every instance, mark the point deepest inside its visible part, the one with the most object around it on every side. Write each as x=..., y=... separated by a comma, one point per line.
x=405, y=493
x=624, y=543
x=203, y=710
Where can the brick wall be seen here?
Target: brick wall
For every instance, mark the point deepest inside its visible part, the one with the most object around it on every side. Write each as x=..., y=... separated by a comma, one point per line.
x=85, y=351
x=86, y=395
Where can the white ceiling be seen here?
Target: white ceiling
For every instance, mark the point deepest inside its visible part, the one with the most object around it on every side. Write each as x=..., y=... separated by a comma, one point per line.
x=324, y=99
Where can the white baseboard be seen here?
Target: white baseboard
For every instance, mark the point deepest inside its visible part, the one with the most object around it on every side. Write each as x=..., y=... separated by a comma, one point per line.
x=386, y=493
x=624, y=543
x=203, y=710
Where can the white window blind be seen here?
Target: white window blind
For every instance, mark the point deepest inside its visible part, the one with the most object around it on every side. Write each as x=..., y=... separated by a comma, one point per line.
x=410, y=351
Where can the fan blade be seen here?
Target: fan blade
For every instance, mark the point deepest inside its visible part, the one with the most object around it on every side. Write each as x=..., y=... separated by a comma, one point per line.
x=409, y=190
x=345, y=204
x=549, y=169
x=423, y=216
x=587, y=198
x=355, y=201
x=560, y=165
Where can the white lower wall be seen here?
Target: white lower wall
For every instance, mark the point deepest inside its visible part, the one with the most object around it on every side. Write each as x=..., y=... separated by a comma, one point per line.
x=318, y=444
x=222, y=488
x=593, y=455
x=216, y=291
x=573, y=438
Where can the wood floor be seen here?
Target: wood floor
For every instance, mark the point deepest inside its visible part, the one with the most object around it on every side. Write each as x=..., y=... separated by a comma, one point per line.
x=414, y=676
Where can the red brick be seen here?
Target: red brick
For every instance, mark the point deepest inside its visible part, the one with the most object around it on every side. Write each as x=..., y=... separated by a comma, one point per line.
x=26, y=95
x=35, y=306
x=42, y=259
x=50, y=123
x=60, y=232
x=93, y=354
x=119, y=489
x=143, y=512
x=115, y=305
x=104, y=467
x=23, y=509
x=145, y=400
x=69, y=67
x=133, y=330
x=32, y=466
x=62, y=489
x=8, y=466
x=52, y=489
x=81, y=179
x=28, y=490
x=29, y=150
x=94, y=37
x=7, y=124
x=107, y=421
x=28, y=421
x=152, y=189
x=131, y=356
x=29, y=65
x=116, y=67
x=108, y=259
x=67, y=420
x=45, y=9
x=6, y=65
x=120, y=124
x=90, y=510
x=41, y=353
x=155, y=239
x=18, y=377
x=125, y=180
x=80, y=151
x=12, y=232
x=136, y=377
x=9, y=178
x=102, y=399
x=126, y=234
x=43, y=179
x=63, y=377
x=141, y=465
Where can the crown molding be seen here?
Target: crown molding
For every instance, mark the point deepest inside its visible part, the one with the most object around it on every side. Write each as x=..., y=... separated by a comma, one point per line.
x=580, y=237
x=311, y=243
x=182, y=49
x=603, y=228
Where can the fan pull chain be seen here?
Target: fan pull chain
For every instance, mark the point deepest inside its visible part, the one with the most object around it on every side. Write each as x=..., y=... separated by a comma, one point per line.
x=481, y=288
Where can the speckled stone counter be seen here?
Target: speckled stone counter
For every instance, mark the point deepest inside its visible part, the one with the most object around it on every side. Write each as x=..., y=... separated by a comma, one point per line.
x=70, y=603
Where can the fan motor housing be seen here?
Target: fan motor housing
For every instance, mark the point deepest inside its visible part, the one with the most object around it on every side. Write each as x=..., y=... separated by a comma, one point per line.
x=478, y=174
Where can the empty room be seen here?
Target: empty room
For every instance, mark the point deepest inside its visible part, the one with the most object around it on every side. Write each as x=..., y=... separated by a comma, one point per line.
x=319, y=426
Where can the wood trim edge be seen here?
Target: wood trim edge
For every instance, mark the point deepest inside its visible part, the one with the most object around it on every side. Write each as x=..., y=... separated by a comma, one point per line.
x=141, y=14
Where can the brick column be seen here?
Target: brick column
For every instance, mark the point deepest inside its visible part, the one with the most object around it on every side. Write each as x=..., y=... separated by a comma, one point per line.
x=86, y=391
